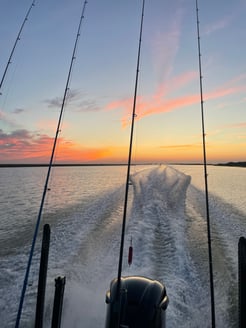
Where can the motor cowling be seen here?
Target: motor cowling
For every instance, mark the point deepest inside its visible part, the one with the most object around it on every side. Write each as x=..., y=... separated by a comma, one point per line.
x=141, y=303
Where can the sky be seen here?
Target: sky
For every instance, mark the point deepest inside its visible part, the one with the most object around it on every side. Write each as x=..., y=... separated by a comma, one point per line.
x=96, y=123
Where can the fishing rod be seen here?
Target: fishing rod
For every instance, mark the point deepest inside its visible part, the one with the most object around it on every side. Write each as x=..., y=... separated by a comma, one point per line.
x=129, y=158
x=205, y=174
x=49, y=169
x=15, y=44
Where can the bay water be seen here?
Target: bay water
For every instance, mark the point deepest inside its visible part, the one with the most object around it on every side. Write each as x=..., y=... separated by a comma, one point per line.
x=166, y=221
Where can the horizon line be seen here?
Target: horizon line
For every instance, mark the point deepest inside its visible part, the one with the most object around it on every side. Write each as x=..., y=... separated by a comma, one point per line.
x=241, y=163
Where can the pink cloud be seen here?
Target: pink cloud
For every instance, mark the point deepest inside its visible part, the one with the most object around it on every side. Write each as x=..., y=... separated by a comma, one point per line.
x=218, y=25
x=161, y=101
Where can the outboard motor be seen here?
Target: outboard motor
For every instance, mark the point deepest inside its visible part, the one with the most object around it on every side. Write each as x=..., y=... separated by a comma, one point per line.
x=142, y=303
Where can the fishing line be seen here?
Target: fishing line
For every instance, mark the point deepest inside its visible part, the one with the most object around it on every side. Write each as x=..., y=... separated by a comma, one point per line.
x=15, y=44
x=49, y=170
x=135, y=146
x=50, y=184
x=9, y=89
x=137, y=127
x=205, y=174
x=129, y=163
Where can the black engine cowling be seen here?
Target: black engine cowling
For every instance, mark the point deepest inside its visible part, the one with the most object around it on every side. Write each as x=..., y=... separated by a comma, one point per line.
x=140, y=303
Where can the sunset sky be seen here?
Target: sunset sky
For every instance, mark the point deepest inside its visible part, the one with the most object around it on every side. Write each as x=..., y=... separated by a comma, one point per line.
x=96, y=124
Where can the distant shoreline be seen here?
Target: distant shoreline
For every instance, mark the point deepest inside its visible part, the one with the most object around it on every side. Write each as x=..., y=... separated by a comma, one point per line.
x=233, y=164
x=230, y=164
x=58, y=165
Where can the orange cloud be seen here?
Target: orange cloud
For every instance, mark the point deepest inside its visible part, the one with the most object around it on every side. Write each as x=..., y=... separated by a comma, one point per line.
x=25, y=147
x=183, y=147
x=237, y=126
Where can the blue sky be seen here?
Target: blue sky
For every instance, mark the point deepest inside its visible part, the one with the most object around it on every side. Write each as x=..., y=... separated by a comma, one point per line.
x=96, y=122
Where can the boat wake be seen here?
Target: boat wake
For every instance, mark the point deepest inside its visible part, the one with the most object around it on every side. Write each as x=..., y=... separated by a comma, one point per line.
x=159, y=224
x=166, y=222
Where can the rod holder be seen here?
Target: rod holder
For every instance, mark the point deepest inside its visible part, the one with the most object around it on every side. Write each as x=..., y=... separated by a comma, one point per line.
x=42, y=276
x=242, y=281
x=58, y=301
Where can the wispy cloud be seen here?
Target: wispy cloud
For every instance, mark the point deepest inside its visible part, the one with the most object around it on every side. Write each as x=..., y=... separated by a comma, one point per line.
x=159, y=102
x=162, y=101
x=218, y=25
x=56, y=102
x=88, y=105
x=76, y=99
x=18, y=110
x=236, y=125
x=165, y=45
x=175, y=83
x=182, y=146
